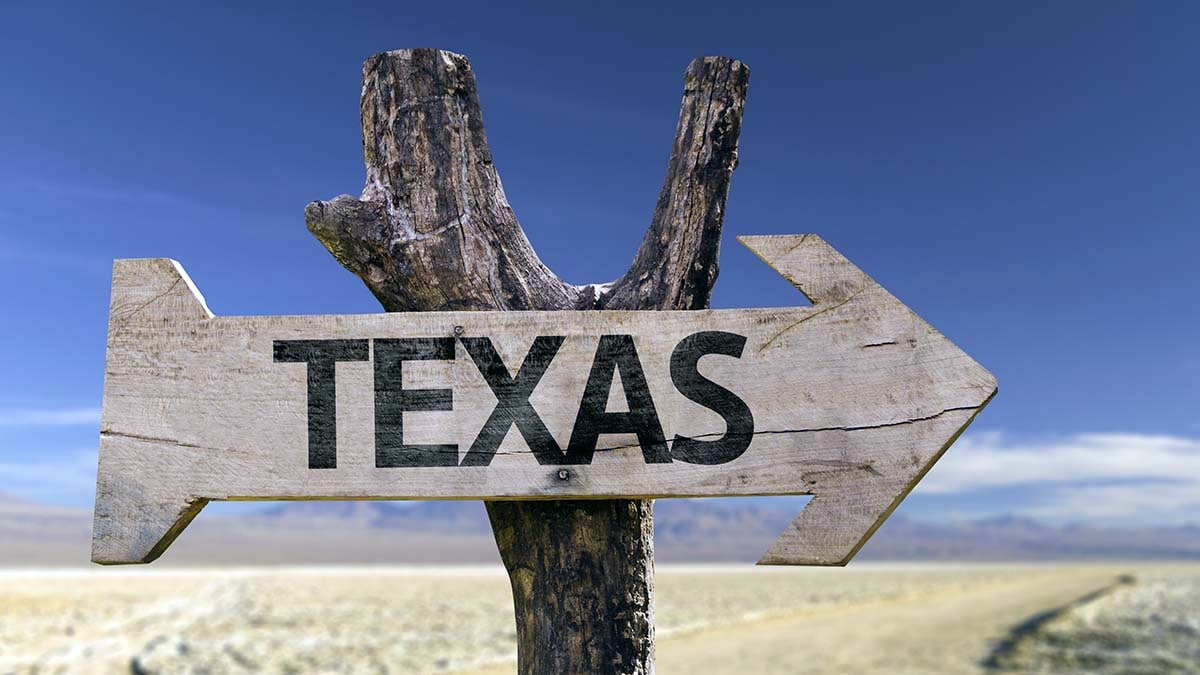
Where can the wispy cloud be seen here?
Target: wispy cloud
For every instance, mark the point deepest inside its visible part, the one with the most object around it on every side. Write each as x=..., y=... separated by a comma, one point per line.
x=44, y=258
x=144, y=202
x=1142, y=478
x=1159, y=504
x=59, y=417
x=58, y=478
x=986, y=460
x=113, y=194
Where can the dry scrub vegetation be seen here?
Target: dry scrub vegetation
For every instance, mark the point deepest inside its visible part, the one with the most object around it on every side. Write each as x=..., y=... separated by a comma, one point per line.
x=413, y=620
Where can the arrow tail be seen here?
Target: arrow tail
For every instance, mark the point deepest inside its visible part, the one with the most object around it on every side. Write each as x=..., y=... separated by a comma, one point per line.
x=134, y=522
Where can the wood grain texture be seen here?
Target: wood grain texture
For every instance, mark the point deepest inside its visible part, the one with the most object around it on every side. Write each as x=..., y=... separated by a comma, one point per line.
x=853, y=399
x=433, y=226
x=433, y=230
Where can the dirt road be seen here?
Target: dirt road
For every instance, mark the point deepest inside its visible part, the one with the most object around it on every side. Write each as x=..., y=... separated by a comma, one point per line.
x=947, y=630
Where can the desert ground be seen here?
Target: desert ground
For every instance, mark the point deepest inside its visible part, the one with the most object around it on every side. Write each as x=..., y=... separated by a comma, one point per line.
x=867, y=618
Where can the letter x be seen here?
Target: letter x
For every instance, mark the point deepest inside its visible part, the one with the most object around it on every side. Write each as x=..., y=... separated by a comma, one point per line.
x=512, y=400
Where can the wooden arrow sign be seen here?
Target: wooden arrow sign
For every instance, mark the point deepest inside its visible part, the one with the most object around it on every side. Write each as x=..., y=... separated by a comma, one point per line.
x=850, y=400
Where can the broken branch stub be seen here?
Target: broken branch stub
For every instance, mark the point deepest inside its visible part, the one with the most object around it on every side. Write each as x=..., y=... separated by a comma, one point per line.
x=432, y=230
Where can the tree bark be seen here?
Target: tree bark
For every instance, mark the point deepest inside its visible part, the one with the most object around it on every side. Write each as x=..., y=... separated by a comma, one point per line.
x=433, y=230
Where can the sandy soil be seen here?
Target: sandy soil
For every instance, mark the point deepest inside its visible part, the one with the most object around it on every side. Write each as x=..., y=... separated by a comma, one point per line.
x=944, y=628
x=866, y=618
x=950, y=631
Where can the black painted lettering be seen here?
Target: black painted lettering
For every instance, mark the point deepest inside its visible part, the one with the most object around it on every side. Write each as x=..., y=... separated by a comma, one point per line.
x=321, y=355
x=739, y=422
x=392, y=400
x=512, y=400
x=617, y=352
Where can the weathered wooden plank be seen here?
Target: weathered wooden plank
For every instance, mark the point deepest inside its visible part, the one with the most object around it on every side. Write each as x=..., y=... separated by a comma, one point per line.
x=850, y=400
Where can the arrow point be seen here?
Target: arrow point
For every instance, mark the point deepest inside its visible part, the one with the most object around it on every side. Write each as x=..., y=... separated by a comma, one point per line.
x=837, y=522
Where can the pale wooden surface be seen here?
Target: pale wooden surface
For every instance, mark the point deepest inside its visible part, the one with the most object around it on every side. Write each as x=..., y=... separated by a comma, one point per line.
x=854, y=398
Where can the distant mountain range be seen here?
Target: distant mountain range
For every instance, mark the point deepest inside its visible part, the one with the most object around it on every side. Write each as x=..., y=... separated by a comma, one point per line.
x=449, y=532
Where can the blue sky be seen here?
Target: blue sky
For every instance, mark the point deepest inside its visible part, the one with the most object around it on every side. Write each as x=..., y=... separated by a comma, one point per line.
x=1022, y=176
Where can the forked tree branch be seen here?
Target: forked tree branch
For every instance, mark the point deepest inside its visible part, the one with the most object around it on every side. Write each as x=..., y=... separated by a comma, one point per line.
x=434, y=231
x=676, y=265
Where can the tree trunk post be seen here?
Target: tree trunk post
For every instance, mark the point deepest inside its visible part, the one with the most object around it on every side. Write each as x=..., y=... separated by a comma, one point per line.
x=433, y=231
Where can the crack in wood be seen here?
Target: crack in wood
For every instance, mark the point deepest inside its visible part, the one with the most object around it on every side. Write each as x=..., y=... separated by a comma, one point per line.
x=849, y=428
x=166, y=441
x=127, y=317
x=769, y=432
x=818, y=312
x=669, y=442
x=803, y=238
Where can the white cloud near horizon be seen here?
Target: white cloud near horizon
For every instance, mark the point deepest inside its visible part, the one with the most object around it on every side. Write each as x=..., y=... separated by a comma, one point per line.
x=1100, y=478
x=1113, y=477
x=60, y=479
x=54, y=417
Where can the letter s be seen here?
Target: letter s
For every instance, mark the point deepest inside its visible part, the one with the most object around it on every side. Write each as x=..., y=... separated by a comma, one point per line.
x=739, y=422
